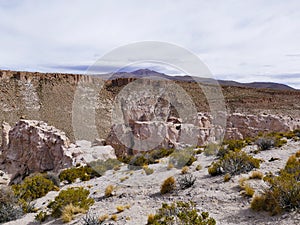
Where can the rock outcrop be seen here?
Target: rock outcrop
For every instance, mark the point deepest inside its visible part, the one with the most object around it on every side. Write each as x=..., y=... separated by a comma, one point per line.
x=148, y=135
x=33, y=146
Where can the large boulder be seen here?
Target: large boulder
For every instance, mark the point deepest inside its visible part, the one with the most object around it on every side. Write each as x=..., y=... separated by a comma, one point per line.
x=33, y=146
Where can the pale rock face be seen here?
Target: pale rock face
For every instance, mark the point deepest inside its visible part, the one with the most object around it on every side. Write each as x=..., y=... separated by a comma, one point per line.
x=33, y=146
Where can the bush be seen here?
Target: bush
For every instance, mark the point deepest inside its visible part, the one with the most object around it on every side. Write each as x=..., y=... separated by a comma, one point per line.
x=101, y=166
x=234, y=144
x=265, y=143
x=211, y=149
x=256, y=175
x=234, y=163
x=148, y=170
x=93, y=220
x=185, y=170
x=83, y=173
x=78, y=196
x=180, y=213
x=186, y=181
x=227, y=177
x=69, y=211
x=283, y=193
x=109, y=191
x=168, y=186
x=41, y=216
x=181, y=158
x=34, y=187
x=9, y=209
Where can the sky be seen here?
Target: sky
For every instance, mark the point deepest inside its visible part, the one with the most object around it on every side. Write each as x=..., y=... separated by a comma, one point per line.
x=241, y=40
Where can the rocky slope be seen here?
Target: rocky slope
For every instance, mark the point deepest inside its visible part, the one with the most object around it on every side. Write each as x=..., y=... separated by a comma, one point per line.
x=50, y=97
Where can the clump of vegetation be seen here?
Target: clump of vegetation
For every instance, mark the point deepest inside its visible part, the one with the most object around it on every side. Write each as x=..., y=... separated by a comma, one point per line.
x=122, y=179
x=227, y=177
x=234, y=163
x=168, y=186
x=121, y=208
x=256, y=175
x=148, y=170
x=114, y=217
x=69, y=211
x=83, y=173
x=283, y=193
x=88, y=219
x=9, y=209
x=185, y=170
x=186, y=181
x=41, y=216
x=198, y=167
x=34, y=187
x=109, y=191
x=77, y=196
x=101, y=166
x=181, y=158
x=249, y=191
x=170, y=166
x=180, y=213
x=265, y=143
x=211, y=149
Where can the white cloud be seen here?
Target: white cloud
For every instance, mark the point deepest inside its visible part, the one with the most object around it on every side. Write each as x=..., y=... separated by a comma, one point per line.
x=253, y=39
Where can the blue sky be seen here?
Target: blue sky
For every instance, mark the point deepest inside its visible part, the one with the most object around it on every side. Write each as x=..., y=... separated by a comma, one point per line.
x=238, y=40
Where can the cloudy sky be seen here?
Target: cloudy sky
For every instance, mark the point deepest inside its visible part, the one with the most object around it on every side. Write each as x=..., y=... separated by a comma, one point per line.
x=238, y=40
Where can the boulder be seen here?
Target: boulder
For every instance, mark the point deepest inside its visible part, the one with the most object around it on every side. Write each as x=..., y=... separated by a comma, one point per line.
x=33, y=146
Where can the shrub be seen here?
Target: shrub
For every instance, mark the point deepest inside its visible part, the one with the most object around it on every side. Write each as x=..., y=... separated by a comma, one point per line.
x=185, y=170
x=181, y=158
x=198, y=167
x=109, y=191
x=249, y=191
x=41, y=216
x=114, y=217
x=103, y=218
x=148, y=170
x=69, y=211
x=242, y=182
x=83, y=173
x=234, y=144
x=227, y=177
x=186, y=181
x=168, y=186
x=120, y=208
x=9, y=212
x=122, y=179
x=33, y=187
x=283, y=193
x=180, y=213
x=234, y=163
x=101, y=166
x=256, y=175
x=53, y=177
x=77, y=196
x=211, y=149
x=265, y=143
x=93, y=220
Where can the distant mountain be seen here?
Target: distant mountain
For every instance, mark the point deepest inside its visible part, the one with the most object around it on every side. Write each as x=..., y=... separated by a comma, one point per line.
x=146, y=73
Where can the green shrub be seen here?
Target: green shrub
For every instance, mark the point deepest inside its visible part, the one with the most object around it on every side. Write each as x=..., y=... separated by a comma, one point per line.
x=234, y=163
x=77, y=196
x=41, y=216
x=211, y=149
x=9, y=209
x=33, y=187
x=101, y=166
x=181, y=158
x=180, y=213
x=168, y=186
x=265, y=143
x=283, y=193
x=83, y=173
x=234, y=144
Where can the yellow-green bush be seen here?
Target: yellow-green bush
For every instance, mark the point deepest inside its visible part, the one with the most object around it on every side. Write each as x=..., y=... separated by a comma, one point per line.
x=168, y=186
x=77, y=196
x=101, y=166
x=83, y=173
x=34, y=187
x=211, y=149
x=181, y=158
x=283, y=193
x=234, y=163
x=180, y=213
x=69, y=211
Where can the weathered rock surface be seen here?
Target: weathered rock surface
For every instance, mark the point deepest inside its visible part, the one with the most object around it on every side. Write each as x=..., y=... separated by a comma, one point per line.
x=33, y=146
x=147, y=135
